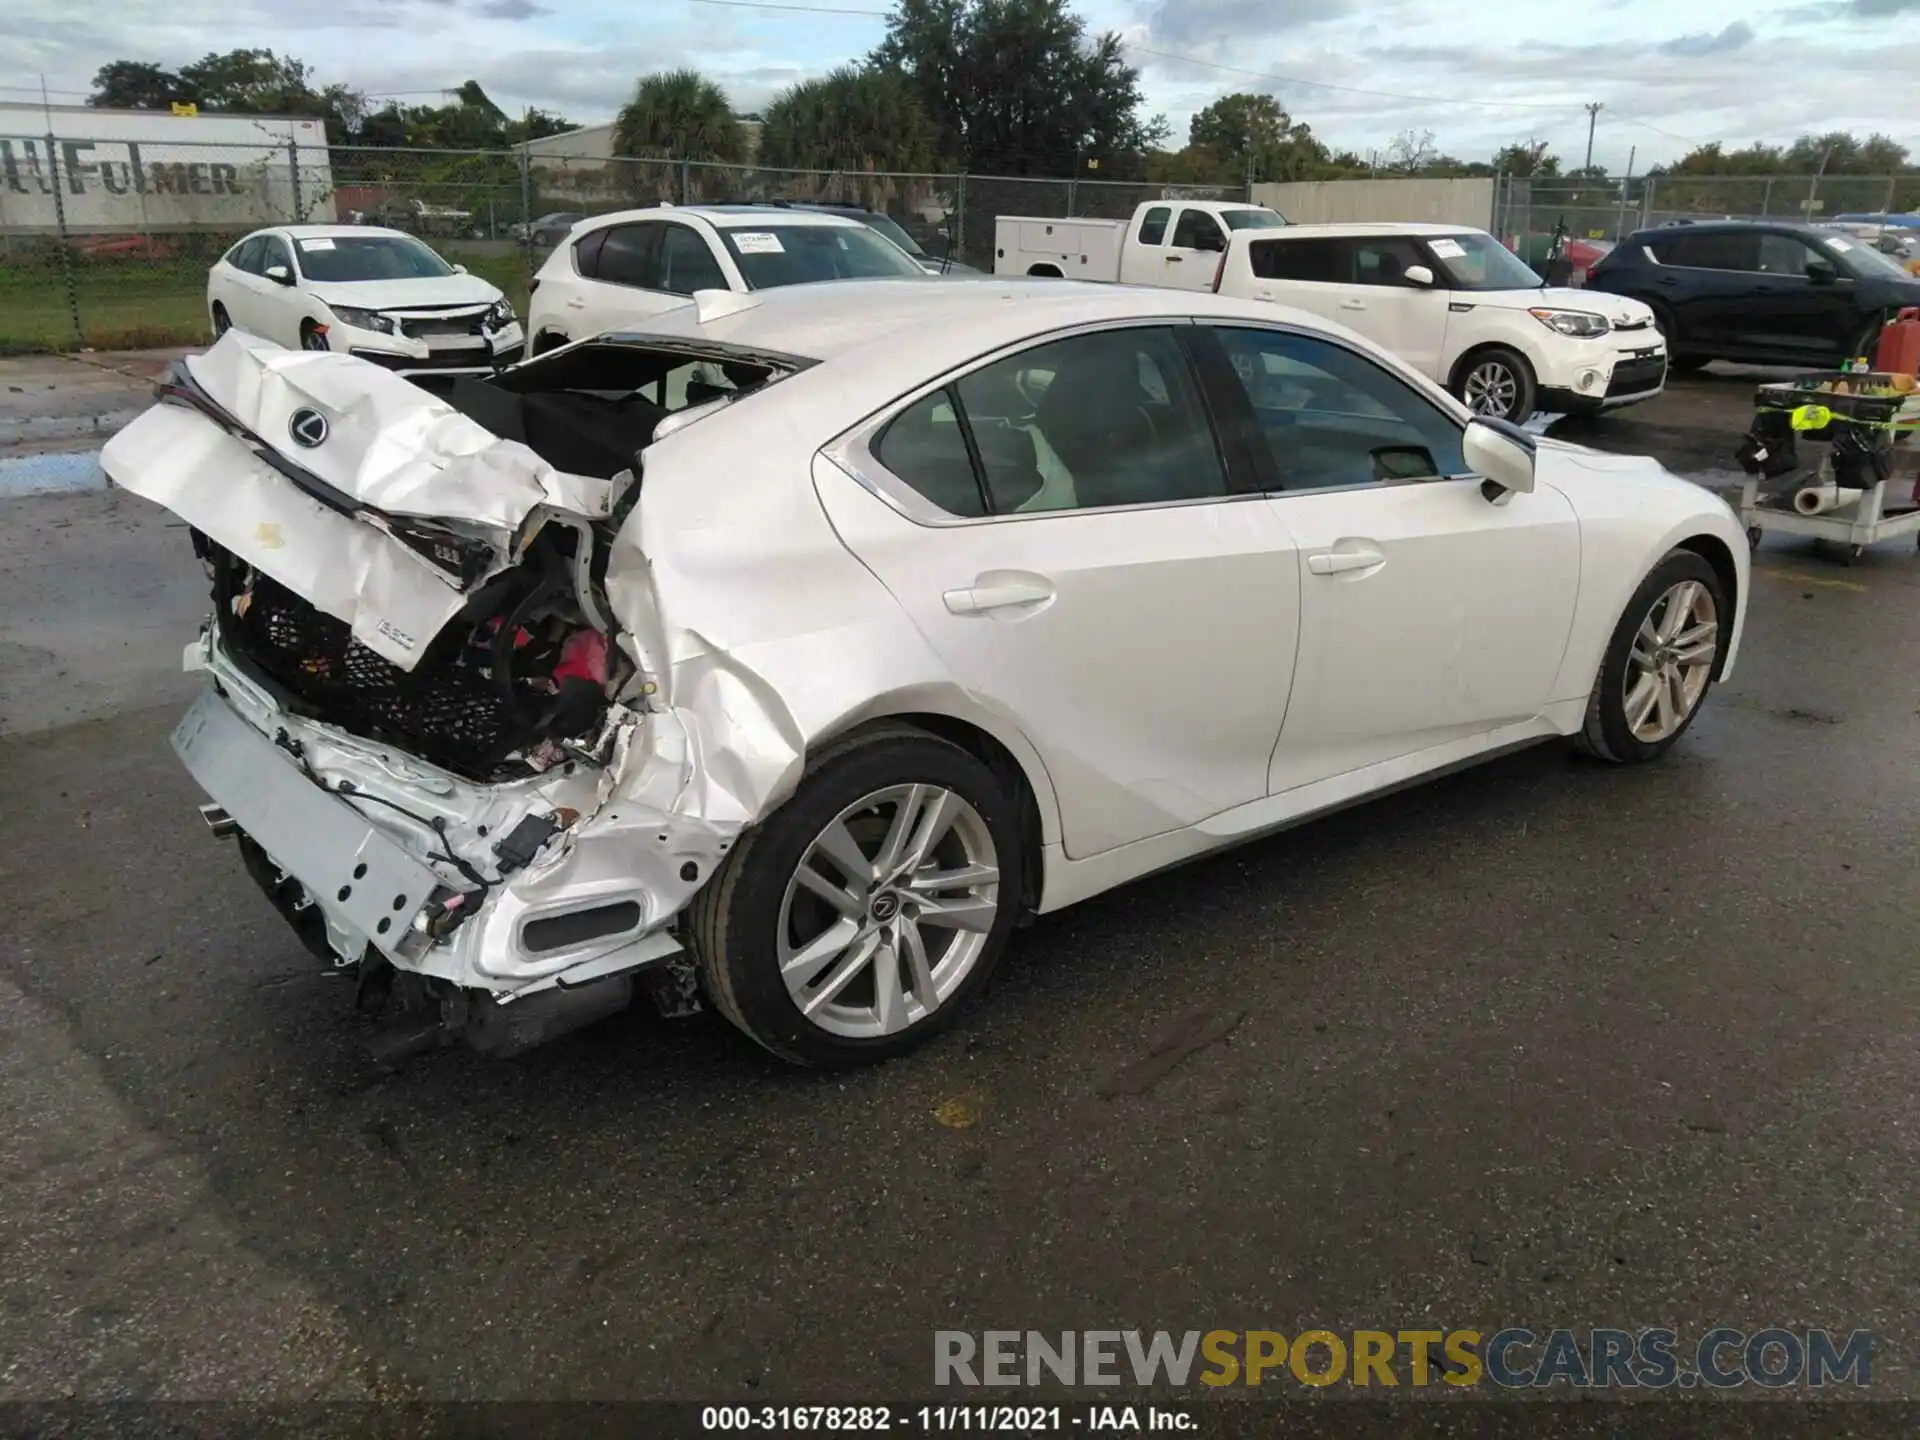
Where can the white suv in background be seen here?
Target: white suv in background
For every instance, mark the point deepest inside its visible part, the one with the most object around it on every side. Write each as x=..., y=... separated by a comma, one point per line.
x=616, y=269
x=1460, y=308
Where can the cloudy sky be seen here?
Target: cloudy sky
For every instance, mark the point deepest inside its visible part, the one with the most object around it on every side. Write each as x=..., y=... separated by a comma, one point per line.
x=1667, y=74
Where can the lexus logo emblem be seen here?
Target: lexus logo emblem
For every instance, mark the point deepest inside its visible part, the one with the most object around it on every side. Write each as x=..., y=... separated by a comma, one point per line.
x=885, y=905
x=308, y=428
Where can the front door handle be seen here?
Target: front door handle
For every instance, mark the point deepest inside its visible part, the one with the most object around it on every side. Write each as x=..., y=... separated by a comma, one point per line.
x=1175, y=259
x=1353, y=304
x=1338, y=562
x=1006, y=595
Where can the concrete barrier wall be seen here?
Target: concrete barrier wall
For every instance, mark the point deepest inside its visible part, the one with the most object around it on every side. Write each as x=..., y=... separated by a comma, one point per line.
x=1446, y=202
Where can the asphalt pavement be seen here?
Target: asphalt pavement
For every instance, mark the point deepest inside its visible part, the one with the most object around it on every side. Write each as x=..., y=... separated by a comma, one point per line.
x=1545, y=1043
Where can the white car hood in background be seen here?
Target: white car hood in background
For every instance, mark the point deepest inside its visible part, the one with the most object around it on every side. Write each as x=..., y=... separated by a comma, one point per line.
x=444, y=290
x=389, y=445
x=1616, y=308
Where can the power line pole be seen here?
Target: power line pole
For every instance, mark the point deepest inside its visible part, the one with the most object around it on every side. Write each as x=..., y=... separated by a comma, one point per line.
x=1593, y=114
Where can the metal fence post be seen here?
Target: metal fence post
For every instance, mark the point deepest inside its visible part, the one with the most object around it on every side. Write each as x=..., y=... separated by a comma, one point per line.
x=293, y=168
x=957, y=227
x=1886, y=207
x=686, y=180
x=526, y=209
x=65, y=242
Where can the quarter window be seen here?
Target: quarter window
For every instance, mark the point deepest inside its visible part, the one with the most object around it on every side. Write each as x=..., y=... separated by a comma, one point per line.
x=1153, y=225
x=1329, y=417
x=924, y=446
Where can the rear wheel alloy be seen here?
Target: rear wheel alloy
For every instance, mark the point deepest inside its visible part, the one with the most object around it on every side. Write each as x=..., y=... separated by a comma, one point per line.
x=1498, y=383
x=858, y=917
x=1659, y=663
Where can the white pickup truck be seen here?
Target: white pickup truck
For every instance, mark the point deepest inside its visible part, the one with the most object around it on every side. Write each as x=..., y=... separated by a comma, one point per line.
x=1175, y=243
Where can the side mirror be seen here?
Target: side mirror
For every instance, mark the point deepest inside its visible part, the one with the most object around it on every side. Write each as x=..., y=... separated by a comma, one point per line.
x=459, y=269
x=1502, y=453
x=280, y=275
x=1822, y=274
x=1417, y=275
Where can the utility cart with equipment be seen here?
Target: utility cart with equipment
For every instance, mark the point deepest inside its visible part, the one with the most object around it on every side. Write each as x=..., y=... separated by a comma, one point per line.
x=1821, y=456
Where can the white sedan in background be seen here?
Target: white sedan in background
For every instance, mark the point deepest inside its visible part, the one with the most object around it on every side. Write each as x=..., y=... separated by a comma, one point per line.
x=379, y=294
x=935, y=606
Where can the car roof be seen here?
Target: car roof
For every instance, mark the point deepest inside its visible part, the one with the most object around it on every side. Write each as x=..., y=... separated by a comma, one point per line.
x=330, y=232
x=721, y=217
x=880, y=339
x=1342, y=229
x=1789, y=227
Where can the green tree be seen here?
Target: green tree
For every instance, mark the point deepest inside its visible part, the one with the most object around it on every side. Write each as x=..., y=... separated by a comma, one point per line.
x=1254, y=137
x=1528, y=160
x=850, y=120
x=1018, y=86
x=679, y=115
x=135, y=85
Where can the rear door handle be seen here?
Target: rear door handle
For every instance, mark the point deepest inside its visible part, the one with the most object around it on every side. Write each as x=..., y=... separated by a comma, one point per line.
x=979, y=599
x=1337, y=562
x=576, y=303
x=1353, y=304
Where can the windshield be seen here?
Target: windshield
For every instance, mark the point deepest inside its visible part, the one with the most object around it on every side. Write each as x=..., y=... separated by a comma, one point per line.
x=1860, y=257
x=894, y=232
x=368, y=257
x=1253, y=219
x=774, y=255
x=1480, y=262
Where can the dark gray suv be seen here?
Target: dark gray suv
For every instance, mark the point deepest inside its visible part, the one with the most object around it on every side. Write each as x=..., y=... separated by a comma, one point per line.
x=1765, y=292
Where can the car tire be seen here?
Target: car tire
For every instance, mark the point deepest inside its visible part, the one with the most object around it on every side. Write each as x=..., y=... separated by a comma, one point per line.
x=755, y=921
x=1497, y=375
x=1651, y=645
x=222, y=322
x=312, y=337
x=1688, y=364
x=546, y=340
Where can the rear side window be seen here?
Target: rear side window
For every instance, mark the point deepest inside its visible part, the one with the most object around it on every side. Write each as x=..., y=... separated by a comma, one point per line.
x=630, y=256
x=586, y=253
x=1153, y=225
x=1322, y=261
x=1723, y=250
x=924, y=446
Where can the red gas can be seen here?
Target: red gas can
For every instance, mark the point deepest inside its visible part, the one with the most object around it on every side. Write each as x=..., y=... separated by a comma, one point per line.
x=1899, y=352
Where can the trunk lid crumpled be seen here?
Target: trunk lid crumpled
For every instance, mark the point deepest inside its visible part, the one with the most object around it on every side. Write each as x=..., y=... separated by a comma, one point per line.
x=389, y=451
x=687, y=746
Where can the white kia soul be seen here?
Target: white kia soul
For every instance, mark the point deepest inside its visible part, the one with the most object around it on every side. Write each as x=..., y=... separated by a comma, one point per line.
x=1462, y=309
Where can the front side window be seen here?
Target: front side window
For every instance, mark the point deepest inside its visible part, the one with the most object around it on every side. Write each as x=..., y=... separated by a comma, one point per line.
x=686, y=264
x=1787, y=255
x=773, y=255
x=1323, y=262
x=1476, y=261
x=273, y=251
x=332, y=259
x=1384, y=261
x=630, y=255
x=246, y=255
x=1329, y=417
x=1153, y=225
x=1197, y=230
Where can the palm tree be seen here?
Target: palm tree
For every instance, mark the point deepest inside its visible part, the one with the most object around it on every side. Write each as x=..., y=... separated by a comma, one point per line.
x=679, y=115
x=858, y=120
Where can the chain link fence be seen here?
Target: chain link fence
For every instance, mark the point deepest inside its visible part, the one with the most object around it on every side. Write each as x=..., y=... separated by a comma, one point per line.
x=106, y=245
x=1526, y=211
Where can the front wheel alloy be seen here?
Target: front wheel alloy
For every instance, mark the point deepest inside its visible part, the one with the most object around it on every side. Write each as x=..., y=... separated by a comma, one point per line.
x=1671, y=661
x=858, y=918
x=1497, y=383
x=1659, y=663
x=889, y=909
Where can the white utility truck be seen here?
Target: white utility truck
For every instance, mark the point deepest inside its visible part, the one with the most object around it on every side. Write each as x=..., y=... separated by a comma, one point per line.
x=1175, y=243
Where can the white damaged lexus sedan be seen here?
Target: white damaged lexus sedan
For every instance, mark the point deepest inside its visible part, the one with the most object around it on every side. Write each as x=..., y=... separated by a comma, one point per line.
x=785, y=652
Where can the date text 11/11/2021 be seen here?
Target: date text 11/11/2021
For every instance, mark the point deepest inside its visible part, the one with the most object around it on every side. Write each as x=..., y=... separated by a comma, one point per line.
x=946, y=1419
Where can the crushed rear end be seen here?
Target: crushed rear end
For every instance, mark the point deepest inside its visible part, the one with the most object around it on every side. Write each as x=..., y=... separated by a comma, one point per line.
x=438, y=724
